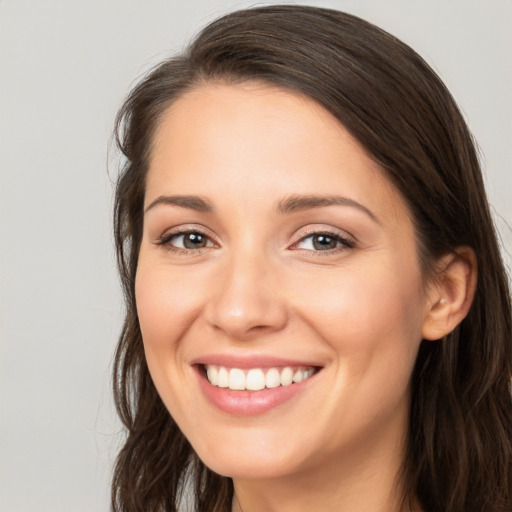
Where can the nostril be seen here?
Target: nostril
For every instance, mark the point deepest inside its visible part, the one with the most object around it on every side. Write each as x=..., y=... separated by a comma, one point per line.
x=259, y=328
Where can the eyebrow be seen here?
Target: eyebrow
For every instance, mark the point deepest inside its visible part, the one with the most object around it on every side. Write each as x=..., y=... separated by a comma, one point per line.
x=297, y=203
x=291, y=204
x=196, y=203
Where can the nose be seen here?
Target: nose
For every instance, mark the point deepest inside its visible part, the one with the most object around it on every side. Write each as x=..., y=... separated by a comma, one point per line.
x=247, y=302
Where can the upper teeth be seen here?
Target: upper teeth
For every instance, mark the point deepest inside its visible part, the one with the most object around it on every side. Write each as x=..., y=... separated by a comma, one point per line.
x=255, y=378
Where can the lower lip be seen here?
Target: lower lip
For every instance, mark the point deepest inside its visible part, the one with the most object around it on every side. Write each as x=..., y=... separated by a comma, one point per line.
x=249, y=403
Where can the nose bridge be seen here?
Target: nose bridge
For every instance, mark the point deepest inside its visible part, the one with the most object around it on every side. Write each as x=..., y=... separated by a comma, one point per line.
x=247, y=301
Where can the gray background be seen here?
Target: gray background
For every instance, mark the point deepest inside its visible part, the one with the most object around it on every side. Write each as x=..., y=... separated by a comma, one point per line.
x=64, y=68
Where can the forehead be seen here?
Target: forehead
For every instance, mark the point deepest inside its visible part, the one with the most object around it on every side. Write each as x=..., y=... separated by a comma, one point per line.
x=229, y=140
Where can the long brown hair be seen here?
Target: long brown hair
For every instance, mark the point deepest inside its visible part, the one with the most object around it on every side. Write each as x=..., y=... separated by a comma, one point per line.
x=459, y=456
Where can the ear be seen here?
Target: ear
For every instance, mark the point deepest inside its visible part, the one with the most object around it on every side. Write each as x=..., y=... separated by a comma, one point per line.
x=450, y=293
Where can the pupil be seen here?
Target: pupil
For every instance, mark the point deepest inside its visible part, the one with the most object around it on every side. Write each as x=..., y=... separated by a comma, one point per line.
x=194, y=240
x=324, y=242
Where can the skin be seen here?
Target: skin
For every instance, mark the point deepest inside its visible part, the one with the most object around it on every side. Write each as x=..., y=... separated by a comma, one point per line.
x=260, y=287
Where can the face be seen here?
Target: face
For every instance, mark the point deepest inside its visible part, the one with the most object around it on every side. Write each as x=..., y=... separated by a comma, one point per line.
x=278, y=287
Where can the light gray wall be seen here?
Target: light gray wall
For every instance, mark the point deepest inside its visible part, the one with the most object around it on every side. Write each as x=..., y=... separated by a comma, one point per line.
x=64, y=68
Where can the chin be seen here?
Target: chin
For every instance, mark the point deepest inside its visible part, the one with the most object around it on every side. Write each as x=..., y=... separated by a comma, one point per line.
x=248, y=469
x=253, y=459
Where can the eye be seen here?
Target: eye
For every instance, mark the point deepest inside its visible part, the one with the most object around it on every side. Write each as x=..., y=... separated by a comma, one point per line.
x=323, y=241
x=185, y=241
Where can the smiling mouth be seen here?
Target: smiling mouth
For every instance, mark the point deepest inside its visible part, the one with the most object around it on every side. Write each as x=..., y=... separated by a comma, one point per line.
x=256, y=379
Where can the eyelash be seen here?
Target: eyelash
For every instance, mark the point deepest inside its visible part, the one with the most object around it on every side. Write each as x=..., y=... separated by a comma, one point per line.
x=165, y=241
x=345, y=242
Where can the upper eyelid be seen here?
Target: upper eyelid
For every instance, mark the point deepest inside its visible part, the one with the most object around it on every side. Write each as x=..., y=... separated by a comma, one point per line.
x=165, y=238
x=332, y=231
x=183, y=229
x=299, y=235
x=346, y=243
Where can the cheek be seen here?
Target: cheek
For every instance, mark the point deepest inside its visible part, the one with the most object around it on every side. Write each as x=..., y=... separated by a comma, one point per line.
x=376, y=300
x=371, y=317
x=166, y=304
x=153, y=303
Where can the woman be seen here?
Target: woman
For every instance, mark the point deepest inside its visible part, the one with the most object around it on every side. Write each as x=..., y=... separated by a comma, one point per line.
x=317, y=311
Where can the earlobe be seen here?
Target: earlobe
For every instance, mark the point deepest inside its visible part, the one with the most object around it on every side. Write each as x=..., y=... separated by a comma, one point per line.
x=451, y=293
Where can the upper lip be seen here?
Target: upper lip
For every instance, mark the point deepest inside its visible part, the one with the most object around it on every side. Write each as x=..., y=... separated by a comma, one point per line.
x=251, y=361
